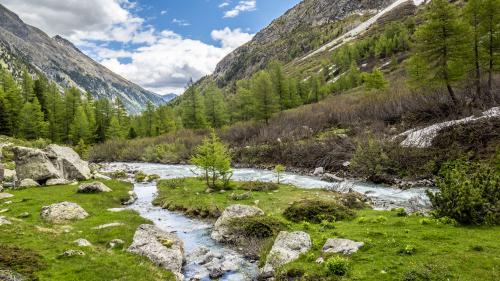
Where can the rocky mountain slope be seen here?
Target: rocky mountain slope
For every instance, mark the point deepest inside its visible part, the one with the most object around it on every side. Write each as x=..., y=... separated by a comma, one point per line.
x=60, y=61
x=302, y=29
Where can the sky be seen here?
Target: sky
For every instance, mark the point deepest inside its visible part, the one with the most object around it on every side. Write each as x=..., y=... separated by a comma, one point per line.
x=158, y=44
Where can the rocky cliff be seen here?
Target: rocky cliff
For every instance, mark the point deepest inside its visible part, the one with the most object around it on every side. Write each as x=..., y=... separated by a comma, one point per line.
x=302, y=29
x=63, y=63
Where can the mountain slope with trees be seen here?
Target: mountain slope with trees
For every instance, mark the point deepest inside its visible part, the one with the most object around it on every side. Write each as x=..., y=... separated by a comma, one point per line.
x=23, y=46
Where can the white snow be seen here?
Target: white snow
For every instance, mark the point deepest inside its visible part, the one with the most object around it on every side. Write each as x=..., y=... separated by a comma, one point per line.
x=349, y=36
x=423, y=137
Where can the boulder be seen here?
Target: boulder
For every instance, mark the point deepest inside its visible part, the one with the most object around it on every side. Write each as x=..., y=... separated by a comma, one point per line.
x=2, y=171
x=331, y=178
x=5, y=195
x=115, y=243
x=341, y=246
x=319, y=171
x=9, y=174
x=287, y=247
x=82, y=242
x=28, y=183
x=34, y=164
x=4, y=221
x=71, y=253
x=63, y=212
x=68, y=162
x=132, y=197
x=221, y=231
x=53, y=182
x=94, y=187
x=108, y=225
x=9, y=275
x=162, y=248
x=98, y=176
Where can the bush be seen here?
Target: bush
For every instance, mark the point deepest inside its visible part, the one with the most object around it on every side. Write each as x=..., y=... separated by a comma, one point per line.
x=353, y=200
x=259, y=186
x=140, y=176
x=173, y=183
x=118, y=175
x=337, y=265
x=370, y=160
x=24, y=261
x=152, y=178
x=256, y=227
x=468, y=193
x=316, y=211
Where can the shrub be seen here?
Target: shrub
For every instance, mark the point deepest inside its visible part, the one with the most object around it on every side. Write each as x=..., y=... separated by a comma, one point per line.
x=378, y=219
x=353, y=200
x=259, y=186
x=173, y=183
x=256, y=226
x=316, y=211
x=468, y=192
x=140, y=176
x=240, y=196
x=337, y=265
x=370, y=160
x=24, y=261
x=400, y=212
x=153, y=177
x=118, y=174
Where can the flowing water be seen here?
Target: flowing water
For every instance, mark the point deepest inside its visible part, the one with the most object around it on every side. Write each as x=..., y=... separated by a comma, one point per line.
x=196, y=233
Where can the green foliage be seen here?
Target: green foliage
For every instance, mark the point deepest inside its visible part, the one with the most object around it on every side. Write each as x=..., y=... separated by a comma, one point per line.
x=265, y=96
x=215, y=107
x=316, y=211
x=279, y=169
x=32, y=123
x=468, y=192
x=193, y=110
x=256, y=226
x=213, y=157
x=23, y=261
x=370, y=159
x=259, y=186
x=408, y=250
x=338, y=265
x=375, y=80
x=140, y=176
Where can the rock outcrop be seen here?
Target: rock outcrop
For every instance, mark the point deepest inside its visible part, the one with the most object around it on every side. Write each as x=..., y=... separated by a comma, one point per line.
x=68, y=162
x=54, y=163
x=9, y=275
x=82, y=242
x=342, y=246
x=28, y=183
x=93, y=187
x=63, y=212
x=287, y=247
x=162, y=248
x=221, y=231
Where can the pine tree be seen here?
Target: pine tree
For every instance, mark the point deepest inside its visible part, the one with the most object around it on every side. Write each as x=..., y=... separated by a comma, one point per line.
x=375, y=80
x=266, y=102
x=490, y=37
x=79, y=127
x=13, y=103
x=293, y=92
x=114, y=130
x=32, y=123
x=55, y=113
x=473, y=14
x=279, y=83
x=103, y=113
x=215, y=107
x=418, y=71
x=441, y=42
x=27, y=86
x=193, y=110
x=243, y=102
x=71, y=103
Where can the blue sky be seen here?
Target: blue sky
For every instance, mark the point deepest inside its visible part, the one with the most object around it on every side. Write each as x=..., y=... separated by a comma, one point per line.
x=158, y=44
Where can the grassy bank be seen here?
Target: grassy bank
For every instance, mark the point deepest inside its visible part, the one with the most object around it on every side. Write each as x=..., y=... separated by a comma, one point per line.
x=32, y=246
x=397, y=247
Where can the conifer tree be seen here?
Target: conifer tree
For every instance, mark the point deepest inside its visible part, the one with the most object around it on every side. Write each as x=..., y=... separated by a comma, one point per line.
x=215, y=107
x=55, y=113
x=114, y=130
x=279, y=83
x=32, y=123
x=193, y=116
x=441, y=42
x=71, y=104
x=79, y=127
x=13, y=103
x=27, y=86
x=244, y=101
x=266, y=102
x=473, y=15
x=490, y=37
x=375, y=80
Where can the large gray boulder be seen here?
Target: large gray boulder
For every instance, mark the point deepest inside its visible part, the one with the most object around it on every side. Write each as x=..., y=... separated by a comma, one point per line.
x=28, y=183
x=162, y=248
x=342, y=246
x=93, y=187
x=63, y=212
x=34, y=164
x=68, y=162
x=287, y=247
x=9, y=275
x=221, y=231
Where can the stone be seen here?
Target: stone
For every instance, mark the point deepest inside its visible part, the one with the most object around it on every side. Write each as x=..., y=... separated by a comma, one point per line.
x=94, y=187
x=82, y=242
x=94, y=167
x=63, y=212
x=9, y=275
x=34, y=164
x=132, y=197
x=68, y=162
x=1, y=187
x=4, y=221
x=319, y=171
x=28, y=183
x=150, y=241
x=53, y=182
x=221, y=231
x=287, y=247
x=2, y=172
x=71, y=253
x=320, y=260
x=116, y=210
x=9, y=174
x=331, y=178
x=108, y=225
x=341, y=246
x=24, y=215
x=98, y=176
x=5, y=195
x=115, y=243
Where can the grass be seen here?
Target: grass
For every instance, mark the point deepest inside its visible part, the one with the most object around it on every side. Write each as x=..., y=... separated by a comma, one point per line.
x=42, y=242
x=397, y=247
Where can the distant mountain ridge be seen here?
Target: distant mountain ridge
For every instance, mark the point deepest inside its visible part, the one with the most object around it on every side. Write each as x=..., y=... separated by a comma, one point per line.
x=60, y=61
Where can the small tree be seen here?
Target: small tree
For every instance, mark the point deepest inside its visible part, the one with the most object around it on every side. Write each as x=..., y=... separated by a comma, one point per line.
x=375, y=80
x=213, y=157
x=279, y=169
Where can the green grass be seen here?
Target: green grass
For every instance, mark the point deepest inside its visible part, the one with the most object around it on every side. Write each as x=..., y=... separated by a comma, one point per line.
x=48, y=241
x=396, y=247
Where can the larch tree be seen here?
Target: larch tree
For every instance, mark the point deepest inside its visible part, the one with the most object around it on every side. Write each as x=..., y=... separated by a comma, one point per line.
x=79, y=127
x=266, y=102
x=193, y=110
x=215, y=107
x=490, y=37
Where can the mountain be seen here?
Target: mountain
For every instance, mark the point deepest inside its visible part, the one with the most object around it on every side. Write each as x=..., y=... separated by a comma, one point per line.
x=168, y=97
x=60, y=61
x=302, y=29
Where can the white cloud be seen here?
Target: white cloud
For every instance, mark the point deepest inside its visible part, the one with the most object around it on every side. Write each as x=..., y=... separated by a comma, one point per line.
x=243, y=6
x=181, y=22
x=163, y=13
x=231, y=38
x=224, y=4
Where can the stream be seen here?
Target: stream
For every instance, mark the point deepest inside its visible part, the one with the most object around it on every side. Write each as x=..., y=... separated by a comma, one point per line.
x=196, y=233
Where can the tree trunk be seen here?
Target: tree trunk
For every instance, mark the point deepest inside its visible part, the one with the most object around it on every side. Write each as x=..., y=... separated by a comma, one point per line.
x=452, y=94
